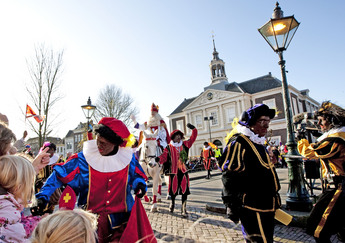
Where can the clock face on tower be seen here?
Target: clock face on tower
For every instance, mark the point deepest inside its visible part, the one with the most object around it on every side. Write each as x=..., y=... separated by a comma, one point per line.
x=209, y=96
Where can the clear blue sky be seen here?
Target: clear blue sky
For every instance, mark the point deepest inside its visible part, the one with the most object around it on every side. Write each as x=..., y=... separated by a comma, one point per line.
x=160, y=51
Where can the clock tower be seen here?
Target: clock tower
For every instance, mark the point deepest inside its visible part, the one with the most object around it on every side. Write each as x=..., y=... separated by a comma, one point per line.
x=217, y=67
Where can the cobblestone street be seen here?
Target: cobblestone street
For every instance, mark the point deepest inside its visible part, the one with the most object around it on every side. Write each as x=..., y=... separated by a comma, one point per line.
x=202, y=225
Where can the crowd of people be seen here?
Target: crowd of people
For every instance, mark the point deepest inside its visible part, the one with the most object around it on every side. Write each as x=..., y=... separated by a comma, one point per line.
x=97, y=188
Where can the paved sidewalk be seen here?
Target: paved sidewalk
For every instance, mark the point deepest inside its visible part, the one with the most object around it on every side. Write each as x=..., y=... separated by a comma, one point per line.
x=203, y=225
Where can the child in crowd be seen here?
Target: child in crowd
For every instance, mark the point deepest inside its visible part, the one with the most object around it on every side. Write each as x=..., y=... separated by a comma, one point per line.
x=67, y=226
x=17, y=177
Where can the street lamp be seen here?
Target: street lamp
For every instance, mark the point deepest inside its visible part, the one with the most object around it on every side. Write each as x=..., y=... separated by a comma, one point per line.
x=278, y=32
x=206, y=118
x=88, y=110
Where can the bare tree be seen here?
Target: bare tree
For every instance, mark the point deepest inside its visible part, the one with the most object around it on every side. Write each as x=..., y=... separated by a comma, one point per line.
x=45, y=69
x=112, y=102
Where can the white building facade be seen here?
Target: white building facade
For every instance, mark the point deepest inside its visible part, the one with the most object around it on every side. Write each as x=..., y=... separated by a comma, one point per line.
x=223, y=101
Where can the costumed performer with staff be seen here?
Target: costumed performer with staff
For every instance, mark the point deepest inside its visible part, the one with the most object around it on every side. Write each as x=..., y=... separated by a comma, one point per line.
x=328, y=215
x=250, y=181
x=103, y=175
x=155, y=122
x=176, y=154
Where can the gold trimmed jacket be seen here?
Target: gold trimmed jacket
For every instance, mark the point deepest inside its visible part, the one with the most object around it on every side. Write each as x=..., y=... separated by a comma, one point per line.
x=249, y=176
x=330, y=151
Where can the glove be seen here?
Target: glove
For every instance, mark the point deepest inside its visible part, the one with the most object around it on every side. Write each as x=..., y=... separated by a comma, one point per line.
x=157, y=159
x=232, y=215
x=140, y=191
x=39, y=209
x=190, y=126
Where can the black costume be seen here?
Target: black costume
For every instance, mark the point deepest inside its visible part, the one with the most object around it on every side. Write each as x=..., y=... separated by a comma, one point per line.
x=251, y=187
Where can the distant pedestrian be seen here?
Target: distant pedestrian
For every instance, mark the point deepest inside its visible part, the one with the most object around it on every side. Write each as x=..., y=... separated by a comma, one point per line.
x=206, y=155
x=250, y=182
x=218, y=153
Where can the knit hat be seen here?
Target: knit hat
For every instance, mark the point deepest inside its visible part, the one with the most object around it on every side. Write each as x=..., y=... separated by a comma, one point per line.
x=154, y=107
x=120, y=129
x=250, y=116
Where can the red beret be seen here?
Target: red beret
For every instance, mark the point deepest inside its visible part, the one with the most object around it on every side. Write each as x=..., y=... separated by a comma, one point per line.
x=116, y=126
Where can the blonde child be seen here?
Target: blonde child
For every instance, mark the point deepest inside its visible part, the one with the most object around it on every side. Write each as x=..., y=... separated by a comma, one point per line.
x=67, y=226
x=17, y=176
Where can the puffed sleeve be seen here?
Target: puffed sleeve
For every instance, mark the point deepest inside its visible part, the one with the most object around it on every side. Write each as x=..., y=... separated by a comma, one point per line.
x=306, y=149
x=231, y=159
x=62, y=174
x=137, y=174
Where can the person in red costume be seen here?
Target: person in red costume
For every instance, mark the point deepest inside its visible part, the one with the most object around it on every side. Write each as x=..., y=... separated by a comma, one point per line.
x=176, y=153
x=103, y=175
x=206, y=155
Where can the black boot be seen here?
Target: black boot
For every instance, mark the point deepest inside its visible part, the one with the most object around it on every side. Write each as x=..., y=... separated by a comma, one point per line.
x=184, y=206
x=208, y=175
x=172, y=204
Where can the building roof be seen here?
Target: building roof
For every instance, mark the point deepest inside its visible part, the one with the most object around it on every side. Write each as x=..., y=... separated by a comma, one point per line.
x=183, y=105
x=70, y=133
x=259, y=84
x=251, y=86
x=233, y=87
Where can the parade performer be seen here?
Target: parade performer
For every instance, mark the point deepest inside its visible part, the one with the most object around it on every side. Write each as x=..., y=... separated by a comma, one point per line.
x=250, y=182
x=155, y=122
x=206, y=155
x=103, y=175
x=327, y=216
x=176, y=154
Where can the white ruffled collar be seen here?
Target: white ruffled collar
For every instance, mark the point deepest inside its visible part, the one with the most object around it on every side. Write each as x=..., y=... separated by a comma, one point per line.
x=53, y=159
x=331, y=131
x=252, y=136
x=176, y=145
x=110, y=163
x=207, y=148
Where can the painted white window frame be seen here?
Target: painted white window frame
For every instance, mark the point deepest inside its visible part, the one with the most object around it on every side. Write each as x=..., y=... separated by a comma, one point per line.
x=198, y=120
x=294, y=103
x=180, y=125
x=230, y=113
x=271, y=103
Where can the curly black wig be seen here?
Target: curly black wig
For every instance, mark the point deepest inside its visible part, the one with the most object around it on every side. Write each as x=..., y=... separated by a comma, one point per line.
x=108, y=134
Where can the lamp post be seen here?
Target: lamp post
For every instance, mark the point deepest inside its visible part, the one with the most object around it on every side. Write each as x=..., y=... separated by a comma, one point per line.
x=278, y=32
x=88, y=110
x=209, y=118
